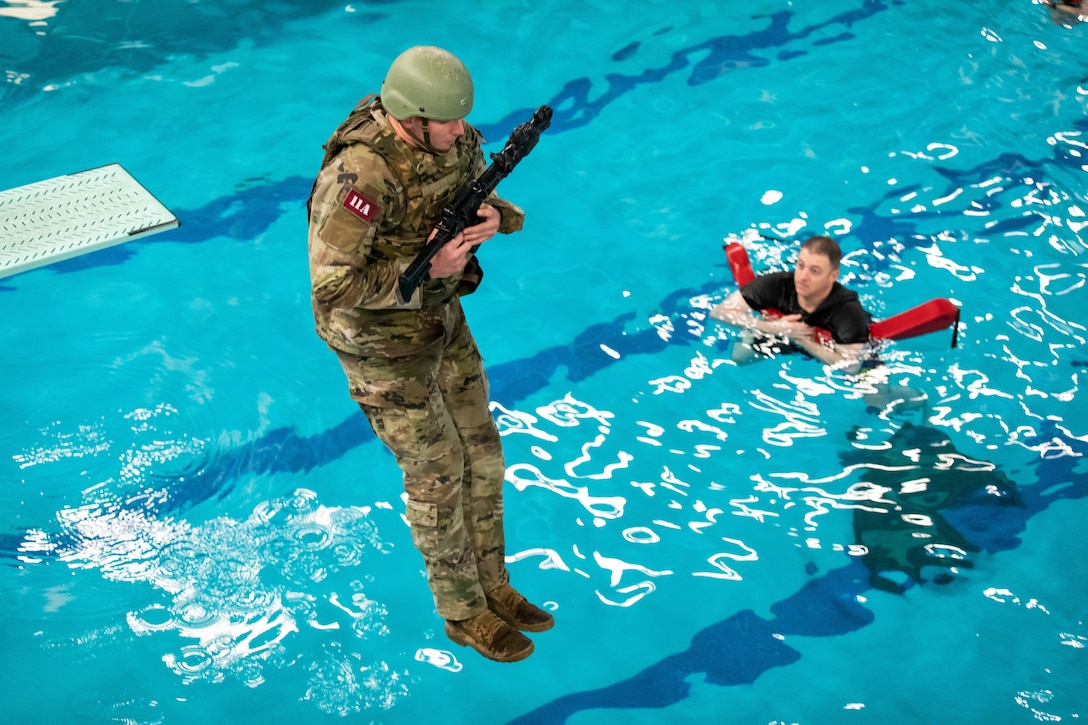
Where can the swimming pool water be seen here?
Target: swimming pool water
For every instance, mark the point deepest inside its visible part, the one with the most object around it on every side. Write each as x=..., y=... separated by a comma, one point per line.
x=198, y=527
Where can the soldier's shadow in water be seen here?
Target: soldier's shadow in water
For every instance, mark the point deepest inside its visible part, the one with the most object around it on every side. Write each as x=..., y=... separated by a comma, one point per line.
x=936, y=508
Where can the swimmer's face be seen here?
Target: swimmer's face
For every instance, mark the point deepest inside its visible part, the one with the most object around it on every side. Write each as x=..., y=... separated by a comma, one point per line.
x=814, y=275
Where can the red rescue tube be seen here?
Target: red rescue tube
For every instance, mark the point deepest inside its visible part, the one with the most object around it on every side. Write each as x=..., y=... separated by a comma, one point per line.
x=739, y=264
x=937, y=314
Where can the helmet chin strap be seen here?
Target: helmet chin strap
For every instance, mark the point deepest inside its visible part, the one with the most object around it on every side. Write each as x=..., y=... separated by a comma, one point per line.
x=425, y=142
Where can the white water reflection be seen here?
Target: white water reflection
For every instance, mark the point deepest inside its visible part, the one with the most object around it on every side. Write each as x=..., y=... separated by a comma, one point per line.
x=440, y=658
x=524, y=475
x=32, y=10
x=237, y=593
x=661, y=505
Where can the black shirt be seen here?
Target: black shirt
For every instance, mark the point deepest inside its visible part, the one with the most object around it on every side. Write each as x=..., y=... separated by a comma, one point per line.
x=840, y=313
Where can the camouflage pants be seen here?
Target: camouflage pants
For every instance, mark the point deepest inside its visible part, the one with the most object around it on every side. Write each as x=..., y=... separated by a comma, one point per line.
x=431, y=410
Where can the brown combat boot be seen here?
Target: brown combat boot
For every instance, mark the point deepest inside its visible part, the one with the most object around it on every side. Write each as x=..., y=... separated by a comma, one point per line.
x=491, y=637
x=505, y=601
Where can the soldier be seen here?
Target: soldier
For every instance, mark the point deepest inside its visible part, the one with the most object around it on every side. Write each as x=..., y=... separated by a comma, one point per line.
x=412, y=364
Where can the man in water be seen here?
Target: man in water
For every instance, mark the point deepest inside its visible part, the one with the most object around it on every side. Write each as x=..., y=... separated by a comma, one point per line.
x=412, y=365
x=1067, y=12
x=809, y=297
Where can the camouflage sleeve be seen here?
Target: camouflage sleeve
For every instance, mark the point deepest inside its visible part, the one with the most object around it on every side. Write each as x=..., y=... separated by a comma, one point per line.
x=512, y=217
x=351, y=197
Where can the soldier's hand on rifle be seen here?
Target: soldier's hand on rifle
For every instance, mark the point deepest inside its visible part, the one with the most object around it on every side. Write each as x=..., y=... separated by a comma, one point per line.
x=451, y=258
x=489, y=227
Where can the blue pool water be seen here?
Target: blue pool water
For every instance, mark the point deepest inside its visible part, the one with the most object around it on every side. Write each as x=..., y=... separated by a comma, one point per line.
x=197, y=525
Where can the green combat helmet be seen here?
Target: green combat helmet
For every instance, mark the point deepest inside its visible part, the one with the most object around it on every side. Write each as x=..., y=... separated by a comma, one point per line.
x=428, y=82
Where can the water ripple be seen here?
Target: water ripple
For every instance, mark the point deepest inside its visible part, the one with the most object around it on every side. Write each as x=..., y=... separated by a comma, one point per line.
x=233, y=586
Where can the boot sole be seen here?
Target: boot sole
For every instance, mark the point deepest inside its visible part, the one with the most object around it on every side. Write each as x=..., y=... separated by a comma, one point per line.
x=457, y=638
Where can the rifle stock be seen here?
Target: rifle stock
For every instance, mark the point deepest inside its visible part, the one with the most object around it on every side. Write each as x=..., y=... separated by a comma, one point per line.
x=461, y=212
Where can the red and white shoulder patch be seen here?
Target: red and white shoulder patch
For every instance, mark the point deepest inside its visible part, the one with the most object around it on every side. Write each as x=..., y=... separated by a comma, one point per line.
x=360, y=206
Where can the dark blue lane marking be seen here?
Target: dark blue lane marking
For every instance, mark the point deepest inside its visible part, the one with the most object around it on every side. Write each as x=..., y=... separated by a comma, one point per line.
x=734, y=651
x=716, y=58
x=738, y=649
x=137, y=37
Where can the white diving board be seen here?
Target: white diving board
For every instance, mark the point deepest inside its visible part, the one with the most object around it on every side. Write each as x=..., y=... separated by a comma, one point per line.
x=70, y=215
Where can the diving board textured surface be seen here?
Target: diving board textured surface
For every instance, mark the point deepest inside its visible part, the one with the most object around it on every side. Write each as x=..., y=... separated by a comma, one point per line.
x=70, y=215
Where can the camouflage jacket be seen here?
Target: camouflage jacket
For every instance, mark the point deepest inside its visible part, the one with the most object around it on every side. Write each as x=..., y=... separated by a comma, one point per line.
x=373, y=205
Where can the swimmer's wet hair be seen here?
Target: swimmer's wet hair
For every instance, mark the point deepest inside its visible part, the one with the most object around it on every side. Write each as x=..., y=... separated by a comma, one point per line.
x=826, y=246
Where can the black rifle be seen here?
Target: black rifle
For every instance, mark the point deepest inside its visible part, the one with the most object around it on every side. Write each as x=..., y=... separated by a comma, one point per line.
x=461, y=212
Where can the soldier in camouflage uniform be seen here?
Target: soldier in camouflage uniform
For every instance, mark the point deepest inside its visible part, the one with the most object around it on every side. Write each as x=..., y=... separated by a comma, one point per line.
x=412, y=364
